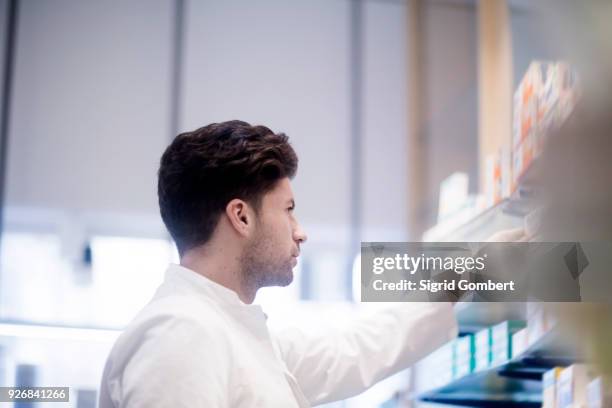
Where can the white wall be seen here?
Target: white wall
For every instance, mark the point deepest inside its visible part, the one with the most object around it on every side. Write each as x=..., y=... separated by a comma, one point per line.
x=91, y=105
x=284, y=65
x=451, y=97
x=384, y=169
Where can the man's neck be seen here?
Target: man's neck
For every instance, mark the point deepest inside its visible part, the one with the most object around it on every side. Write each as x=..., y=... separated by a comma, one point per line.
x=220, y=267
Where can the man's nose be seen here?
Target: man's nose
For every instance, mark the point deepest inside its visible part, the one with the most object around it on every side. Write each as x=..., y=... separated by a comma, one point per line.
x=299, y=235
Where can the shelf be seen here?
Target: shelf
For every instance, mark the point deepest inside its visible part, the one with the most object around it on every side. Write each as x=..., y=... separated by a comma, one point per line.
x=476, y=400
x=477, y=227
x=523, y=199
x=515, y=383
x=486, y=388
x=472, y=225
x=473, y=316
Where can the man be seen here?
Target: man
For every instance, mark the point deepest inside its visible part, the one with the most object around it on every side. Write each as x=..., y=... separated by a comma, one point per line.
x=225, y=196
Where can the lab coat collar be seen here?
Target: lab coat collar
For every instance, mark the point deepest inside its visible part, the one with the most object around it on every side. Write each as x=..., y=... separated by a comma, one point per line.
x=219, y=293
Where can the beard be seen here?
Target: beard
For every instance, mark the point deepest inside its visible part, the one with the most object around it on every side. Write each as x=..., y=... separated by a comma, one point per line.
x=262, y=265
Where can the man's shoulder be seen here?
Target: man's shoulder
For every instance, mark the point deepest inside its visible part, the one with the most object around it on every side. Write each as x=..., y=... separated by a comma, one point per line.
x=163, y=319
x=168, y=335
x=177, y=309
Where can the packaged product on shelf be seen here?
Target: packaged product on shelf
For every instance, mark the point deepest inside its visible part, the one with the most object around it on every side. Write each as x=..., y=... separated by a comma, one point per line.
x=520, y=342
x=482, y=352
x=463, y=356
x=548, y=102
x=436, y=369
x=525, y=119
x=498, y=180
x=572, y=386
x=522, y=157
x=501, y=336
x=443, y=361
x=557, y=97
x=549, y=387
x=599, y=394
x=453, y=194
x=543, y=100
x=539, y=320
x=526, y=97
x=491, y=172
x=505, y=158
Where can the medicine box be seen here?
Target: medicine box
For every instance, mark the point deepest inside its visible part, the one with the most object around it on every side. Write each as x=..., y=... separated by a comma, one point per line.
x=526, y=98
x=482, y=349
x=463, y=356
x=498, y=176
x=543, y=100
x=520, y=342
x=436, y=368
x=501, y=335
x=572, y=386
x=549, y=387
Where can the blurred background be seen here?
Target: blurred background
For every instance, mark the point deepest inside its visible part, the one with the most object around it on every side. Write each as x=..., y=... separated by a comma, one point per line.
x=395, y=108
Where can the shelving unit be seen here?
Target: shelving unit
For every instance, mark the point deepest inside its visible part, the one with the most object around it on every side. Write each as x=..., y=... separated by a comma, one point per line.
x=515, y=383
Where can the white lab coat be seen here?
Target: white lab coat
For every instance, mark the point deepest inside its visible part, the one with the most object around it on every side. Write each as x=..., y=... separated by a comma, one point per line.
x=196, y=344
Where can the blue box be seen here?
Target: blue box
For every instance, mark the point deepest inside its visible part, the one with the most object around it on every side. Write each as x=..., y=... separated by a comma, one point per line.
x=463, y=356
x=501, y=336
x=482, y=352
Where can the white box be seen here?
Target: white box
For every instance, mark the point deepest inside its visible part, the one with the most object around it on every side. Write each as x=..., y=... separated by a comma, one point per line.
x=572, y=387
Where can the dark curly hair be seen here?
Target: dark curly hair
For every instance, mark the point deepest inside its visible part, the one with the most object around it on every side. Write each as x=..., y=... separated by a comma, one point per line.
x=203, y=170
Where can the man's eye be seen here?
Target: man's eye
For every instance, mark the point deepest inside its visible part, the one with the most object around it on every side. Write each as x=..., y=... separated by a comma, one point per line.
x=291, y=208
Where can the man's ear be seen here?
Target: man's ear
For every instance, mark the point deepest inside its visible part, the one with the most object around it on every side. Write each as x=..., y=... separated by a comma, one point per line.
x=239, y=215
